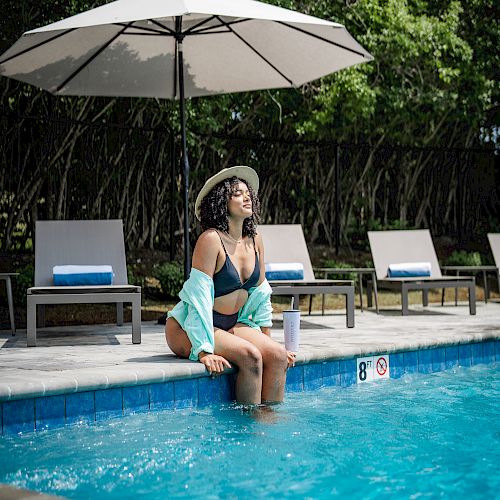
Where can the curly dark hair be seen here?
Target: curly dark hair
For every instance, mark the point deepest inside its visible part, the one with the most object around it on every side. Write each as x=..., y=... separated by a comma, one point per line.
x=214, y=212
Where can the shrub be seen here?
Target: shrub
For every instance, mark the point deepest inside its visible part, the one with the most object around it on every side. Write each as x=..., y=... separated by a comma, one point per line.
x=21, y=283
x=171, y=278
x=463, y=258
x=133, y=277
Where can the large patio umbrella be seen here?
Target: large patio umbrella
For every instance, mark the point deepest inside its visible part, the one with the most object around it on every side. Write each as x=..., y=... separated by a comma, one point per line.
x=180, y=48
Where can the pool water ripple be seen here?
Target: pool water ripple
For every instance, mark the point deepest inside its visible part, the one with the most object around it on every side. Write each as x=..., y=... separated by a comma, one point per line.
x=418, y=436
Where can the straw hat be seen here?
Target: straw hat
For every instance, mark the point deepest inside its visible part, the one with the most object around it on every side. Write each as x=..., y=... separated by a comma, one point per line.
x=247, y=174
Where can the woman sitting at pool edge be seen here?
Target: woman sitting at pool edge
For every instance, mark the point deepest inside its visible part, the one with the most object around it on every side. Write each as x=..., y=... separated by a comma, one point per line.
x=225, y=312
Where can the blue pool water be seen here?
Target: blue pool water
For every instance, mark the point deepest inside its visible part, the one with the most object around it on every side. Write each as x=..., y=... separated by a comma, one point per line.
x=433, y=435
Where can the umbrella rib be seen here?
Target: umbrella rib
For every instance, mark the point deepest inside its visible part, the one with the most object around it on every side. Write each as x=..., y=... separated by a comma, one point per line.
x=257, y=52
x=37, y=45
x=90, y=59
x=323, y=39
x=172, y=32
x=143, y=28
x=204, y=30
x=201, y=23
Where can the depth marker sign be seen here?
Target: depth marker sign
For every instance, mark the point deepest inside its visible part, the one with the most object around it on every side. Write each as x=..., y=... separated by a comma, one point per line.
x=372, y=368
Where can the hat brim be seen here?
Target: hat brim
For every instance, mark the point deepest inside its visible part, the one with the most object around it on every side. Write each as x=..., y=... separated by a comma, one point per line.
x=246, y=174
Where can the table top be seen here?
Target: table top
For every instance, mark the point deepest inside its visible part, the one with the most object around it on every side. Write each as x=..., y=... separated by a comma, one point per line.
x=469, y=268
x=5, y=275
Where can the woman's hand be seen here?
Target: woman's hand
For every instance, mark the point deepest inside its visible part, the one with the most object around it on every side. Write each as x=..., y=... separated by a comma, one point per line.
x=291, y=358
x=213, y=363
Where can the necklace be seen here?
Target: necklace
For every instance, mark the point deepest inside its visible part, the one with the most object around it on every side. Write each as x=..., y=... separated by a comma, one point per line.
x=233, y=239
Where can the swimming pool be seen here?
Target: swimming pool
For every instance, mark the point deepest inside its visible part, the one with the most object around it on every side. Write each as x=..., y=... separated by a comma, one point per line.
x=420, y=435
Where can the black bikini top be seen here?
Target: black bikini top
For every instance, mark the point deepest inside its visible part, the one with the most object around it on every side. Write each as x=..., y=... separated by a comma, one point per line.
x=227, y=279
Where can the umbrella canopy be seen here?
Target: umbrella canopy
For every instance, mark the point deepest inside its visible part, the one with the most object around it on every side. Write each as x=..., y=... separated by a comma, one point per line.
x=180, y=48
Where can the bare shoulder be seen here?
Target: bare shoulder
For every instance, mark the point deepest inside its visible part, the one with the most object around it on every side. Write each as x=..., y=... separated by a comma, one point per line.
x=209, y=238
x=206, y=251
x=258, y=242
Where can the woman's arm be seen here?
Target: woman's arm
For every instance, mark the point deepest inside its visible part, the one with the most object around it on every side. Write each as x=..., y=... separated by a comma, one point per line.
x=206, y=252
x=265, y=329
x=260, y=250
x=205, y=256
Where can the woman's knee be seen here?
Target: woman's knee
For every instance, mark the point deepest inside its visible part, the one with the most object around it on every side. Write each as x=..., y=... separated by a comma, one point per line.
x=275, y=355
x=250, y=360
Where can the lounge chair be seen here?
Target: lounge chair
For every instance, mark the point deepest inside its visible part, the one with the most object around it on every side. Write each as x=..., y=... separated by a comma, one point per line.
x=494, y=239
x=413, y=246
x=96, y=242
x=285, y=243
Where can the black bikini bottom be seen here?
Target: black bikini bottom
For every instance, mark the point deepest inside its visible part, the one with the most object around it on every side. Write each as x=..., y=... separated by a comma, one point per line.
x=225, y=321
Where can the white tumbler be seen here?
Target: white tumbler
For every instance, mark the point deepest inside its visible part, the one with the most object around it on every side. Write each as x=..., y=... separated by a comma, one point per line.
x=291, y=326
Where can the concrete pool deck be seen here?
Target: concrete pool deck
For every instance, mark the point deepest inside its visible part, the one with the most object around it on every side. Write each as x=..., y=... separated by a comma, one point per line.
x=86, y=358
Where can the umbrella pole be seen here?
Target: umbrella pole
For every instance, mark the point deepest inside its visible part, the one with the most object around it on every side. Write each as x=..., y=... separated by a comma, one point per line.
x=185, y=160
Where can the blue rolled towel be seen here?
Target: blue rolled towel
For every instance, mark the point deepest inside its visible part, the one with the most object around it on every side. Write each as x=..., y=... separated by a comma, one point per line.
x=82, y=275
x=284, y=271
x=409, y=270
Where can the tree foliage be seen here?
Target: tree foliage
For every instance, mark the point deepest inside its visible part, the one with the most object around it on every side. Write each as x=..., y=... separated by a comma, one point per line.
x=411, y=124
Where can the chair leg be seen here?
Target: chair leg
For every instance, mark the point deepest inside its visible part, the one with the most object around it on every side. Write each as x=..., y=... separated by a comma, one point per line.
x=404, y=300
x=310, y=304
x=361, y=292
x=31, y=322
x=425, y=298
x=119, y=313
x=375, y=292
x=322, y=304
x=442, y=297
x=41, y=315
x=296, y=302
x=349, y=298
x=369, y=300
x=486, y=290
x=472, y=298
x=10, y=302
x=136, y=319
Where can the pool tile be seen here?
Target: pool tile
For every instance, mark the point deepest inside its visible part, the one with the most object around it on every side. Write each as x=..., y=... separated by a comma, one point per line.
x=108, y=403
x=161, y=396
x=80, y=407
x=1, y=419
x=313, y=378
x=476, y=353
x=425, y=361
x=209, y=390
x=295, y=379
x=347, y=369
x=18, y=416
x=396, y=365
x=330, y=371
x=489, y=352
x=186, y=393
x=438, y=359
x=410, y=359
x=227, y=388
x=50, y=412
x=497, y=350
x=451, y=356
x=135, y=399
x=464, y=355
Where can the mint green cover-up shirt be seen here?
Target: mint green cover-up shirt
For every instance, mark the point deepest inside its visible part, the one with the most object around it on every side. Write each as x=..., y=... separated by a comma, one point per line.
x=194, y=311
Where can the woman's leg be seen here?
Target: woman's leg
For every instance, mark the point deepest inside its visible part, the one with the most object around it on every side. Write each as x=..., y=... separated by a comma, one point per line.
x=236, y=350
x=274, y=359
x=177, y=338
x=249, y=362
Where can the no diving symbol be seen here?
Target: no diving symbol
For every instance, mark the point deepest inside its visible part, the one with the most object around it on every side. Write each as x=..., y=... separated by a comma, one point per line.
x=381, y=366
